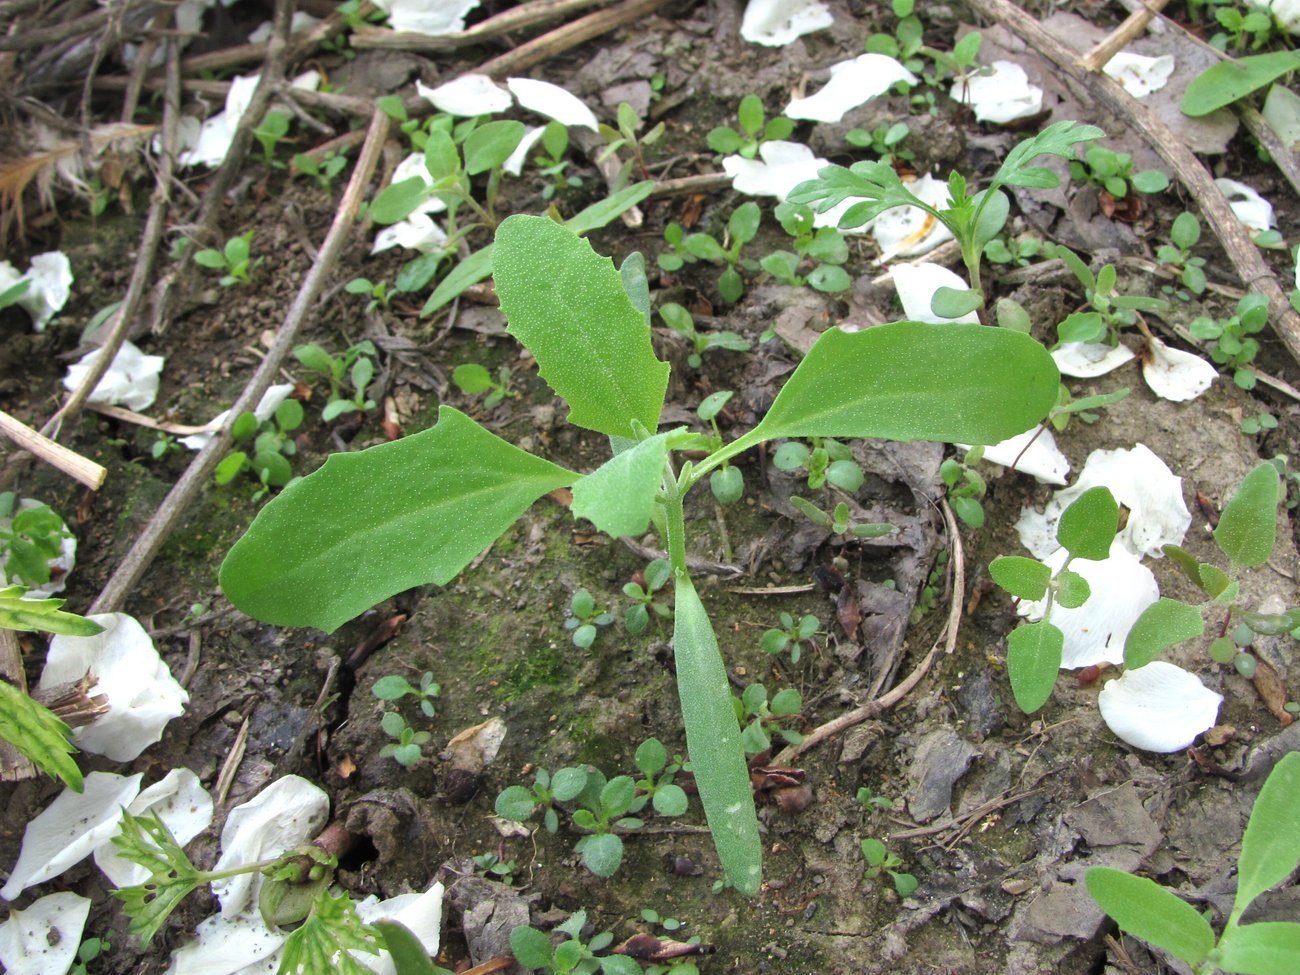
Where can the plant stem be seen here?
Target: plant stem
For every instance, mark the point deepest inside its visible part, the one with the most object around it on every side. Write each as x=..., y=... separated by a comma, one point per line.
x=675, y=527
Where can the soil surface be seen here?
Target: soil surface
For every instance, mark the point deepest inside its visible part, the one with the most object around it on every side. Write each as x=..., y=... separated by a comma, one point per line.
x=996, y=813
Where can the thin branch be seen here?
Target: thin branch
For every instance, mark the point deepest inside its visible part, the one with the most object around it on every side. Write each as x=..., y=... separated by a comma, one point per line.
x=525, y=15
x=1118, y=39
x=55, y=454
x=568, y=37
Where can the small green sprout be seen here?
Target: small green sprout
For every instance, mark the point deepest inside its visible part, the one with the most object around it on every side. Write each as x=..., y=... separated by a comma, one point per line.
x=407, y=747
x=685, y=248
x=30, y=539
x=1108, y=310
x=235, y=259
x=931, y=591
x=1235, y=346
x=627, y=135
x=324, y=171
x=904, y=45
x=966, y=486
x=533, y=950
x=376, y=291
x=727, y=483
x=163, y=444
x=274, y=127
x=865, y=797
x=827, y=462
x=650, y=916
x=1242, y=28
x=265, y=448
x=394, y=687
x=1016, y=251
x=471, y=379
x=356, y=365
x=839, y=522
x=767, y=718
x=823, y=249
x=1259, y=423
x=882, y=141
x=494, y=868
x=1113, y=172
x=656, y=784
x=790, y=635
x=89, y=950
x=519, y=803
x=584, y=619
x=755, y=129
x=683, y=323
x=880, y=860
x=555, y=143
x=1184, y=234
x=637, y=616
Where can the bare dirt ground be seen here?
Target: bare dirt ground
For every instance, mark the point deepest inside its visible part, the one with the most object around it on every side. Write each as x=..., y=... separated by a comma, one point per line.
x=996, y=813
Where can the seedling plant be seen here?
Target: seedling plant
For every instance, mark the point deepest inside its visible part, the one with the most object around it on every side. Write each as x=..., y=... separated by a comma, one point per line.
x=1107, y=311
x=1270, y=852
x=755, y=129
x=235, y=259
x=30, y=539
x=827, y=461
x=1235, y=346
x=494, y=868
x=355, y=366
x=628, y=136
x=656, y=783
x=376, y=291
x=585, y=618
x=904, y=380
x=407, y=746
x=1184, y=233
x=265, y=448
x=552, y=164
x=839, y=522
x=533, y=950
x=865, y=798
x=395, y=687
x=742, y=227
x=966, y=486
x=726, y=482
x=471, y=379
x=1113, y=172
x=881, y=861
x=823, y=248
x=762, y=719
x=637, y=616
x=683, y=323
x=790, y=635
x=882, y=142
x=329, y=167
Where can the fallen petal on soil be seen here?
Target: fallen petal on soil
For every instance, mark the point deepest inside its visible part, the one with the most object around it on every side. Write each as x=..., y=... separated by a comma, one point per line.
x=1140, y=75
x=909, y=231
x=553, y=102
x=1159, y=707
x=432, y=17
x=185, y=808
x=1176, y=375
x=1041, y=458
x=852, y=83
x=131, y=381
x=421, y=914
x=230, y=946
x=1001, y=96
x=1251, y=208
x=916, y=285
x=775, y=23
x=468, y=95
x=266, y=407
x=43, y=939
x=1087, y=360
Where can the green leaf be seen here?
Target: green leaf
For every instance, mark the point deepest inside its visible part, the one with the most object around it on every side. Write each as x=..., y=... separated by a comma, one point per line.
x=1057, y=139
x=955, y=302
x=471, y=378
x=1144, y=909
x=750, y=114
x=1033, y=660
x=1270, y=847
x=396, y=201
x=408, y=954
x=602, y=854
x=912, y=381
x=1163, y=624
x=363, y=528
x=327, y=938
x=670, y=800
x=569, y=783
x=531, y=948
x=1248, y=526
x=1150, y=181
x=1088, y=526
x=491, y=144
x=1225, y=82
x=713, y=741
x=31, y=615
x=651, y=756
x=618, y=497
x=147, y=842
x=1264, y=948
x=470, y=271
x=610, y=208
x=567, y=306
x=38, y=733
x=440, y=156
x=724, y=140
x=1072, y=589
x=829, y=279
x=1024, y=578
x=516, y=804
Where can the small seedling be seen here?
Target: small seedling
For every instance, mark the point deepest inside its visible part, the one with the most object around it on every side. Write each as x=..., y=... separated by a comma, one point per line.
x=762, y=718
x=1085, y=408
x=90, y=950
x=471, y=379
x=823, y=249
x=163, y=444
x=755, y=129
x=827, y=461
x=324, y=171
x=355, y=365
x=1235, y=347
x=791, y=635
x=533, y=950
x=627, y=136
x=552, y=164
x=1242, y=28
x=1107, y=310
x=376, y=291
x=656, y=784
x=1270, y=851
x=637, y=616
x=650, y=916
x=1184, y=234
x=407, y=747
x=1113, y=172
x=904, y=45
x=1016, y=251
x=866, y=798
x=931, y=591
x=966, y=486
x=30, y=539
x=880, y=860
x=882, y=142
x=584, y=618
x=494, y=868
x=519, y=803
x=1259, y=423
x=683, y=323
x=394, y=687
x=235, y=259
x=265, y=448
x=839, y=522
x=274, y=127
x=742, y=227
x=726, y=483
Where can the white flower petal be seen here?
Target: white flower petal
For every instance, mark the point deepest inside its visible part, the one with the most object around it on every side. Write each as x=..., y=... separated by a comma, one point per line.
x=241, y=945
x=916, y=285
x=421, y=914
x=266, y=407
x=239, y=97
x=468, y=95
x=1142, y=483
x=775, y=23
x=1285, y=12
x=852, y=83
x=142, y=694
x=1087, y=360
x=1041, y=458
x=43, y=939
x=1004, y=95
x=1251, y=208
x=1122, y=588
x=286, y=814
x=908, y=231
x=1140, y=75
x=417, y=232
x=70, y=828
x=131, y=381
x=553, y=102
x=63, y=563
x=1159, y=707
x=781, y=167
x=1176, y=375
x=432, y=17
x=184, y=806
x=515, y=164
x=49, y=283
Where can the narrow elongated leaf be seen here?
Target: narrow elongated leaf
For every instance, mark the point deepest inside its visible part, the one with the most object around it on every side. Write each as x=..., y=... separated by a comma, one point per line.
x=1089, y=524
x=370, y=524
x=39, y=734
x=468, y=272
x=1057, y=139
x=1034, y=654
x=398, y=201
x=713, y=741
x=610, y=208
x=566, y=304
x=619, y=496
x=1144, y=909
x=491, y=144
x=409, y=956
x=1265, y=948
x=1223, y=83
x=1248, y=526
x=1164, y=623
x=1270, y=847
x=913, y=381
x=1024, y=578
